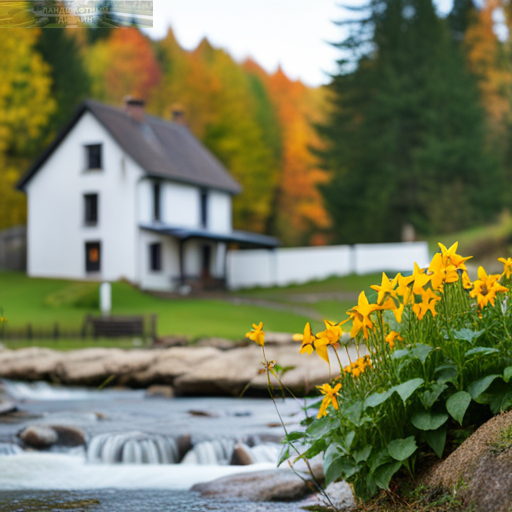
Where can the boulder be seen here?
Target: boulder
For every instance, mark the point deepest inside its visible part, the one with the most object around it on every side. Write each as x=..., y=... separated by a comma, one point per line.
x=480, y=470
x=241, y=455
x=184, y=444
x=29, y=364
x=38, y=436
x=171, y=341
x=270, y=485
x=6, y=406
x=340, y=496
x=69, y=436
x=161, y=391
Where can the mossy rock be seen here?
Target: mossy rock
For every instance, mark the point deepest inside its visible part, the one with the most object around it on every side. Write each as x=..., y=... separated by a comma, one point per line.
x=480, y=470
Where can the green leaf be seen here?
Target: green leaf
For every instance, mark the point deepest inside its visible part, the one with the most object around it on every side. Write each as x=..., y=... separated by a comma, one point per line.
x=317, y=447
x=349, y=439
x=295, y=436
x=426, y=420
x=321, y=427
x=362, y=455
x=447, y=373
x=430, y=396
x=353, y=413
x=377, y=398
x=285, y=454
x=379, y=459
x=467, y=335
x=436, y=440
x=385, y=473
x=507, y=373
x=457, y=405
x=421, y=352
x=499, y=402
x=402, y=449
x=406, y=389
x=478, y=387
x=397, y=354
x=333, y=452
x=342, y=467
x=483, y=351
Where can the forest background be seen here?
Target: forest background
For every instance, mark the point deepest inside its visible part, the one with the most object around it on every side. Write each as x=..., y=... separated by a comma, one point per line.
x=414, y=129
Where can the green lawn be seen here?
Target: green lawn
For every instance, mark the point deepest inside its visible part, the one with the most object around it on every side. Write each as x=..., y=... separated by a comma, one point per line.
x=27, y=300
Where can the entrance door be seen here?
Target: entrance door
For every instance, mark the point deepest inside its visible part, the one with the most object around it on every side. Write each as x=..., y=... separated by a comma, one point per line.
x=207, y=259
x=92, y=257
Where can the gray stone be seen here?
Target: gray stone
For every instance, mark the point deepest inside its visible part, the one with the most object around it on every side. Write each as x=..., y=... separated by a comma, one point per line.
x=219, y=343
x=69, y=436
x=340, y=495
x=271, y=485
x=241, y=456
x=6, y=406
x=39, y=437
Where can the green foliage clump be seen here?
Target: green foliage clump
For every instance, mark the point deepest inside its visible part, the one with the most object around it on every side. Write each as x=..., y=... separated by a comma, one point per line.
x=23, y=16
x=438, y=361
x=82, y=295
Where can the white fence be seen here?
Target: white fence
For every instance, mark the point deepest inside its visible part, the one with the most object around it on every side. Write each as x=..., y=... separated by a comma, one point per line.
x=280, y=267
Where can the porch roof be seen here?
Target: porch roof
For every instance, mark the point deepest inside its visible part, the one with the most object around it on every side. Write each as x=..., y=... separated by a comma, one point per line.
x=241, y=237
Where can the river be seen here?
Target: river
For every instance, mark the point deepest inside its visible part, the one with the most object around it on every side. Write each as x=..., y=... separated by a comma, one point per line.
x=131, y=462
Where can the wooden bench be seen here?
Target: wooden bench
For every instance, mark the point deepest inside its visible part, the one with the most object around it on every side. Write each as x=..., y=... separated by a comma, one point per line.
x=119, y=326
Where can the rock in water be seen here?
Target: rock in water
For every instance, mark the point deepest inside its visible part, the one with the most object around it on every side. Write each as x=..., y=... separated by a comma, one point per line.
x=160, y=391
x=69, y=436
x=271, y=485
x=6, y=407
x=39, y=437
x=241, y=456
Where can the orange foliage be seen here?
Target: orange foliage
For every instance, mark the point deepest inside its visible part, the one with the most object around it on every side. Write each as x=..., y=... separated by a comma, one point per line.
x=300, y=208
x=483, y=50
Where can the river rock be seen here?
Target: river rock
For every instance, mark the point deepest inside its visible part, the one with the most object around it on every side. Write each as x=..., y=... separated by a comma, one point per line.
x=7, y=407
x=341, y=496
x=29, y=364
x=171, y=341
x=241, y=456
x=270, y=485
x=220, y=343
x=184, y=444
x=38, y=436
x=69, y=436
x=161, y=391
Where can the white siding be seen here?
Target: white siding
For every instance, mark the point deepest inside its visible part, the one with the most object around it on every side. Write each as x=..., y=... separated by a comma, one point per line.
x=56, y=230
x=219, y=212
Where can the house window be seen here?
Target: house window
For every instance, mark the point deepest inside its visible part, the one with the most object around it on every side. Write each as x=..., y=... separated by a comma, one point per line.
x=93, y=156
x=92, y=257
x=91, y=209
x=204, y=208
x=156, y=201
x=155, y=257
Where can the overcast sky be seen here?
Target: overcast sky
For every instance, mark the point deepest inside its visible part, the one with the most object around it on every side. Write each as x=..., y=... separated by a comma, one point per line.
x=292, y=33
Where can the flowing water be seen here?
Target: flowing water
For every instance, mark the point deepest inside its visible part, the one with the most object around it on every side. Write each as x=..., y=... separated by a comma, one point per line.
x=141, y=453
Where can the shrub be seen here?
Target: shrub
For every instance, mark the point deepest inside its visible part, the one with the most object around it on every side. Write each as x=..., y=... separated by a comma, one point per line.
x=434, y=354
x=83, y=295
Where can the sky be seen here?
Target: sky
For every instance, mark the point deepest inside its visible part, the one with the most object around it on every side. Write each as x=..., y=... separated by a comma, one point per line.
x=294, y=34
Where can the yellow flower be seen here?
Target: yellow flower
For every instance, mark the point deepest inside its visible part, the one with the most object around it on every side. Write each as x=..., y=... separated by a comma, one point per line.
x=440, y=273
x=360, y=316
x=450, y=257
x=391, y=337
x=485, y=288
x=507, y=264
x=386, y=289
x=256, y=334
x=466, y=282
x=311, y=344
x=428, y=302
x=420, y=279
x=404, y=288
x=329, y=398
x=2, y=319
x=331, y=335
x=358, y=367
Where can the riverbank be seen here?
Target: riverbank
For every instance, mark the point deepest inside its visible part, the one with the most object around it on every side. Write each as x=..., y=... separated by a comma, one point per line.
x=191, y=371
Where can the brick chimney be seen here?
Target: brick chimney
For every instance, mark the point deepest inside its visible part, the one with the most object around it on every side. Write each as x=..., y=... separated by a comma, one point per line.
x=178, y=114
x=134, y=107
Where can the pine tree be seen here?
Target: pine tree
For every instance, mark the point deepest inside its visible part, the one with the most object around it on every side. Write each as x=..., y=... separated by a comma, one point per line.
x=70, y=80
x=405, y=140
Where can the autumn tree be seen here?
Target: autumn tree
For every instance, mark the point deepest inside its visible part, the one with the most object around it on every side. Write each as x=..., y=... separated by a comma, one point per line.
x=25, y=107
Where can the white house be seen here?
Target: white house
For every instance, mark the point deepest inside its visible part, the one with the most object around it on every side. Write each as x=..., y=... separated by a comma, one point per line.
x=121, y=194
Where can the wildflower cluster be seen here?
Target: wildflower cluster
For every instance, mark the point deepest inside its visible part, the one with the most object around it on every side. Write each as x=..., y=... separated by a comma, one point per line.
x=424, y=354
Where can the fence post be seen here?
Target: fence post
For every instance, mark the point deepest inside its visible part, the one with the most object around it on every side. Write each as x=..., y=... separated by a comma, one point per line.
x=153, y=327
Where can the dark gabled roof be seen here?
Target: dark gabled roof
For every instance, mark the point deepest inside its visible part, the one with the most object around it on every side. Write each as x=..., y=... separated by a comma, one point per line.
x=241, y=237
x=162, y=148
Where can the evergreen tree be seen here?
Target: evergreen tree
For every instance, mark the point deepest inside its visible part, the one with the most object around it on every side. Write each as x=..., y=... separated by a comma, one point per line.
x=70, y=80
x=405, y=140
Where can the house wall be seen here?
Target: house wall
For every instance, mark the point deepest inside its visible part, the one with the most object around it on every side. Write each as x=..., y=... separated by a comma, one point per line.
x=56, y=229
x=281, y=267
x=180, y=205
